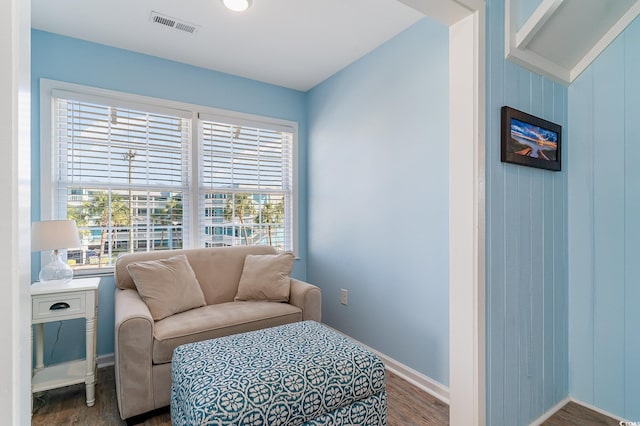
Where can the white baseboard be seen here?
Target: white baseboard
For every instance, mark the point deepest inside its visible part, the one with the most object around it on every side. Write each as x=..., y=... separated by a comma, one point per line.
x=106, y=360
x=550, y=412
x=427, y=384
x=562, y=403
x=419, y=380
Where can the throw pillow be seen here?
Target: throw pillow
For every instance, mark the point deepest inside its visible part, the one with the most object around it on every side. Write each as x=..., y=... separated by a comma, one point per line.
x=167, y=286
x=266, y=277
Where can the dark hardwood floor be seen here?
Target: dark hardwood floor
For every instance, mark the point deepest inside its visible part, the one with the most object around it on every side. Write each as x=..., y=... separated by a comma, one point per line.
x=574, y=414
x=407, y=405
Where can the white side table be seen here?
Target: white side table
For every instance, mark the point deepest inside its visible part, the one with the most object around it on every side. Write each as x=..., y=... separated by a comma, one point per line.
x=57, y=301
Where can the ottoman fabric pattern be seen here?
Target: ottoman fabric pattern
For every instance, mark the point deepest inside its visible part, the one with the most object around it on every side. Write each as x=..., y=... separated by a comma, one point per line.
x=371, y=411
x=291, y=374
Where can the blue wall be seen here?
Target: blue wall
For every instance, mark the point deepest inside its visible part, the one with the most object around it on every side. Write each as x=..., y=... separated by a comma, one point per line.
x=604, y=231
x=526, y=249
x=61, y=58
x=525, y=9
x=378, y=198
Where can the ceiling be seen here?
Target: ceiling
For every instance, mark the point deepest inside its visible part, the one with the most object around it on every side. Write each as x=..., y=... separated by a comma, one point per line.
x=291, y=43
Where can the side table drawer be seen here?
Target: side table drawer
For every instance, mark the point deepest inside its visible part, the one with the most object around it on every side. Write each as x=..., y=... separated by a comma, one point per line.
x=42, y=306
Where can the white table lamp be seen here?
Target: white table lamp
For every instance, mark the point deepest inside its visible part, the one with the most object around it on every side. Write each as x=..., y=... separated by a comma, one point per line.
x=55, y=235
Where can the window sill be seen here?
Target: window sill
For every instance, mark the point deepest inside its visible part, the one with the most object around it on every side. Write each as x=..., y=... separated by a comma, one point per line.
x=91, y=273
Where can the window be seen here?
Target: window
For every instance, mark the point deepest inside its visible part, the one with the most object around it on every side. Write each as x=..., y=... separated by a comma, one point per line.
x=245, y=184
x=121, y=174
x=142, y=174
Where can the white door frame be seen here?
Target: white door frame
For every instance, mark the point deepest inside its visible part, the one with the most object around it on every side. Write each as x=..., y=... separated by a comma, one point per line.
x=15, y=217
x=467, y=382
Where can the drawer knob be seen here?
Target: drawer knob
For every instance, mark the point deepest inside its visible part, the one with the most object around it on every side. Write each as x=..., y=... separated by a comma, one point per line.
x=59, y=305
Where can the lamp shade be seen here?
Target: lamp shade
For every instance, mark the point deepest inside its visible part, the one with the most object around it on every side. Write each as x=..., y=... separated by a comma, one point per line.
x=54, y=235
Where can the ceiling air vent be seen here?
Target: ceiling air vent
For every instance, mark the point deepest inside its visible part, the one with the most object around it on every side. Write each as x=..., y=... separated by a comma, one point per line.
x=169, y=22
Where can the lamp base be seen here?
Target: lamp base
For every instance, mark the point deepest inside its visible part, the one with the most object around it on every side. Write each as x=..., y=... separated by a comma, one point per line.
x=57, y=270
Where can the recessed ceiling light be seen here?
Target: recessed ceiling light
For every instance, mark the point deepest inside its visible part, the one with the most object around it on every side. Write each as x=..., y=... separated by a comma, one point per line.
x=237, y=5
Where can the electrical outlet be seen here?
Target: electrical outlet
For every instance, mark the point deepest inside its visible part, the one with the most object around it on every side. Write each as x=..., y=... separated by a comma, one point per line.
x=344, y=296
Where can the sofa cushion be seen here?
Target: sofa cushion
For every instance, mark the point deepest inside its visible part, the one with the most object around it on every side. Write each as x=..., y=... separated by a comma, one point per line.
x=209, y=322
x=167, y=286
x=266, y=277
x=217, y=269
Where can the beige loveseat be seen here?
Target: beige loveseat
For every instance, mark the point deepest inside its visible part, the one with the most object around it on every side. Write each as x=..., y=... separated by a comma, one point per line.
x=144, y=347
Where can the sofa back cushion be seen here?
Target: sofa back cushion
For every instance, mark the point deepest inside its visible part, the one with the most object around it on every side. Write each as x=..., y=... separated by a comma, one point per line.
x=266, y=277
x=167, y=286
x=217, y=269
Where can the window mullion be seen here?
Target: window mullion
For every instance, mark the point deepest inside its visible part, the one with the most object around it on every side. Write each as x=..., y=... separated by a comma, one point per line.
x=196, y=196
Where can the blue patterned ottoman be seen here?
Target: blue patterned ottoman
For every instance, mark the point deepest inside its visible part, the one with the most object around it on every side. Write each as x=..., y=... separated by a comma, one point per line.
x=301, y=373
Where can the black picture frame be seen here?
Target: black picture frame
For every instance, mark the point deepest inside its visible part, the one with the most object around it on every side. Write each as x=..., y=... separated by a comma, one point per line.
x=529, y=140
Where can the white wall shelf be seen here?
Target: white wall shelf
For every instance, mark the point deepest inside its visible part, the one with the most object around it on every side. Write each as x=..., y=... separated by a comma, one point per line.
x=562, y=37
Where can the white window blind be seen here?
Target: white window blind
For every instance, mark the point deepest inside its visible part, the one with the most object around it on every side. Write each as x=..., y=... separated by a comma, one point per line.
x=246, y=183
x=139, y=174
x=122, y=174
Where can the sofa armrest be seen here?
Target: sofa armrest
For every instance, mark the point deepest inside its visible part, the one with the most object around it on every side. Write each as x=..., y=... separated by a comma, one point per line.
x=133, y=354
x=308, y=298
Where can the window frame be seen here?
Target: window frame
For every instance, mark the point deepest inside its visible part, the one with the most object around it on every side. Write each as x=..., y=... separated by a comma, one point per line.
x=128, y=100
